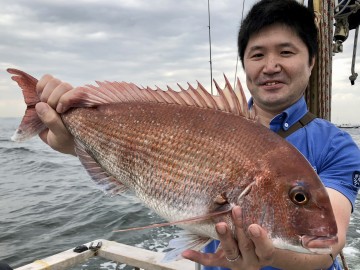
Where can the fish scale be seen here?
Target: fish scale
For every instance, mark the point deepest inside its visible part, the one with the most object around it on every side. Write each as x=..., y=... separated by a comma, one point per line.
x=191, y=156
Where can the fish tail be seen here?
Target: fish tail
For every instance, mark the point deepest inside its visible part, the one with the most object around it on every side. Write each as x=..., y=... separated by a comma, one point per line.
x=31, y=124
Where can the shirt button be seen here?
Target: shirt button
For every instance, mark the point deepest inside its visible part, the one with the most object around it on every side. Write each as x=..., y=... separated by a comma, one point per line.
x=286, y=125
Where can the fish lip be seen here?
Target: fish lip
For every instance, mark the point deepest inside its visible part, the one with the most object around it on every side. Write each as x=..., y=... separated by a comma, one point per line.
x=318, y=244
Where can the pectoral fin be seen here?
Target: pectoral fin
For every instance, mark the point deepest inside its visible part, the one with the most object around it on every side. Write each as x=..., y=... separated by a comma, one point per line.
x=102, y=179
x=224, y=210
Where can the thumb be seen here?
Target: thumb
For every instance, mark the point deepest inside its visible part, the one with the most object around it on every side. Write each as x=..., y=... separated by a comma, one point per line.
x=50, y=118
x=56, y=136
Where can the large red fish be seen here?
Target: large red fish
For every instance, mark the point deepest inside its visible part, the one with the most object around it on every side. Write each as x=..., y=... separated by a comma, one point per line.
x=192, y=156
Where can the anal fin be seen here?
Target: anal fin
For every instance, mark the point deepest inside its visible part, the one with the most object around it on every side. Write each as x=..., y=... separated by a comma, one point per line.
x=186, y=240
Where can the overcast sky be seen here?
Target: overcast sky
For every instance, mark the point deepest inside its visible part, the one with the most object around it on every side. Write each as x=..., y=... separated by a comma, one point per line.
x=157, y=42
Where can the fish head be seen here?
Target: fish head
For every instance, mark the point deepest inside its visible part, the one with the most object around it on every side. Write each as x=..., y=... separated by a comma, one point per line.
x=292, y=204
x=311, y=216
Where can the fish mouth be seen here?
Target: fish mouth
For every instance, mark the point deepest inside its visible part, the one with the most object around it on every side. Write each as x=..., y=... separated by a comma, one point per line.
x=318, y=244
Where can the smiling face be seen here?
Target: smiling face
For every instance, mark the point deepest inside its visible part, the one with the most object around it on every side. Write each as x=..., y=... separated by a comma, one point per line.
x=277, y=68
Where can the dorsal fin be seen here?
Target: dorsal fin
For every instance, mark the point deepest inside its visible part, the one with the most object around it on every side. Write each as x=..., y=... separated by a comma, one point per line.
x=228, y=100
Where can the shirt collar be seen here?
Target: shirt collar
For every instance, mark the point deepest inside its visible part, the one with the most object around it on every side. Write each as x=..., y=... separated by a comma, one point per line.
x=288, y=117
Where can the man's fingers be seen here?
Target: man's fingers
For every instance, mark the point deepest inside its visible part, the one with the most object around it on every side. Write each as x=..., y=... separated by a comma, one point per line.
x=50, y=118
x=245, y=245
x=47, y=90
x=42, y=82
x=57, y=93
x=264, y=248
x=67, y=100
x=209, y=259
x=228, y=243
x=51, y=89
x=57, y=136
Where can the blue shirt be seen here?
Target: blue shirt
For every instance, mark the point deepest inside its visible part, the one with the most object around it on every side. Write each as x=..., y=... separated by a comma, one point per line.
x=332, y=153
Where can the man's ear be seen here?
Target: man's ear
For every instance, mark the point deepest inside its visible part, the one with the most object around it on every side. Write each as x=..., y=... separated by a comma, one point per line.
x=312, y=62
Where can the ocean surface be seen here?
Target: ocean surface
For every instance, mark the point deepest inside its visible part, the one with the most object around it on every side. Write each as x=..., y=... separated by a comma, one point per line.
x=48, y=204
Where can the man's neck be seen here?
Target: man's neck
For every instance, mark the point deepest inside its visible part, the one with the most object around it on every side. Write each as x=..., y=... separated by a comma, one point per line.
x=264, y=116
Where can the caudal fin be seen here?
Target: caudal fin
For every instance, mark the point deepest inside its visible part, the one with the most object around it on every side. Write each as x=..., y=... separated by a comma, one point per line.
x=31, y=124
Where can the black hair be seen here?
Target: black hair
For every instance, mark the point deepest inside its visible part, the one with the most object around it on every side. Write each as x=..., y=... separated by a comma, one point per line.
x=287, y=12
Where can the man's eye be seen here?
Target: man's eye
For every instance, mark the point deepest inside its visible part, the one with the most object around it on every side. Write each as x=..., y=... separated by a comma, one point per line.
x=257, y=55
x=287, y=53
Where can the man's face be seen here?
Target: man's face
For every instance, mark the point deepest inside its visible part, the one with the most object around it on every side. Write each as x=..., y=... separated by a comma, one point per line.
x=277, y=67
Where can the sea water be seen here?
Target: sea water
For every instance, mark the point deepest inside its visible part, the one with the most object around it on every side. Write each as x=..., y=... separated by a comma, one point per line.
x=48, y=204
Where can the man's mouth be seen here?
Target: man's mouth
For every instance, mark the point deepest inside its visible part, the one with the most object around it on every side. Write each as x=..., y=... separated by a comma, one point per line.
x=271, y=83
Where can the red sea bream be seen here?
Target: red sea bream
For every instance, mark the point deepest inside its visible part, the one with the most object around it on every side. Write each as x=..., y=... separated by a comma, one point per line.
x=191, y=156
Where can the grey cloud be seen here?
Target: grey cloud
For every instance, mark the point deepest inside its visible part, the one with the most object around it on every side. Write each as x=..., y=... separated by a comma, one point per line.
x=147, y=42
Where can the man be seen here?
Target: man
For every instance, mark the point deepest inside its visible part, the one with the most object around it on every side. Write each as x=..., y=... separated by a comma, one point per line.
x=277, y=47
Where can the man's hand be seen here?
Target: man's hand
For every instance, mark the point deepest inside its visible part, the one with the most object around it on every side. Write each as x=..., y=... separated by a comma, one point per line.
x=50, y=90
x=244, y=253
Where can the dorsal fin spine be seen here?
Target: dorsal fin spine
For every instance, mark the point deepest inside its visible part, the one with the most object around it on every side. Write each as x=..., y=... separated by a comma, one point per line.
x=177, y=97
x=95, y=95
x=234, y=100
x=226, y=106
x=132, y=94
x=111, y=89
x=158, y=96
x=188, y=99
x=189, y=92
x=130, y=91
x=196, y=97
x=185, y=96
x=170, y=96
x=149, y=94
x=209, y=98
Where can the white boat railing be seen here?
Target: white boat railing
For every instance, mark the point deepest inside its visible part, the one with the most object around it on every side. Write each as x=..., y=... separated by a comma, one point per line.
x=113, y=251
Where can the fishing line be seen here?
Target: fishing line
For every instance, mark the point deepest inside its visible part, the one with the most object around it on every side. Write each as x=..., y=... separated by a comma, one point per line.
x=184, y=221
x=211, y=73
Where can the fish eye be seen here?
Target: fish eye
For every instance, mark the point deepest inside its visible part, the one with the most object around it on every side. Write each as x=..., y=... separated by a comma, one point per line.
x=299, y=196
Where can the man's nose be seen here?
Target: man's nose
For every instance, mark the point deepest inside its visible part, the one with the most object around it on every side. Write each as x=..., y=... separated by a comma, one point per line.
x=271, y=65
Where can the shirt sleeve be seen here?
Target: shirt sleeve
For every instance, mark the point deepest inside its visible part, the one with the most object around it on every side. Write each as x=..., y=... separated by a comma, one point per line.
x=339, y=166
